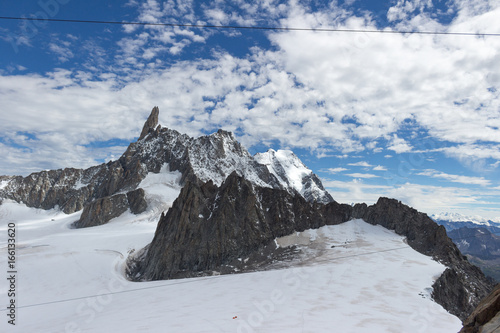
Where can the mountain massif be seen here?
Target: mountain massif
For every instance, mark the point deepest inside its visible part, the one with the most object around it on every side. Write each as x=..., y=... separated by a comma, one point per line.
x=232, y=205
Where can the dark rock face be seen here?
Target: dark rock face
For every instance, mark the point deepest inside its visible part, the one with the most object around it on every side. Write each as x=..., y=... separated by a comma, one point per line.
x=72, y=189
x=102, y=210
x=209, y=226
x=64, y=188
x=479, y=242
x=137, y=201
x=486, y=316
x=423, y=234
x=460, y=288
x=151, y=123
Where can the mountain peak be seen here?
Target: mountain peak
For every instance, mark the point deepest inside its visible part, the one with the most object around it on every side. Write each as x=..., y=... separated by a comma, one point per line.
x=292, y=173
x=150, y=123
x=222, y=132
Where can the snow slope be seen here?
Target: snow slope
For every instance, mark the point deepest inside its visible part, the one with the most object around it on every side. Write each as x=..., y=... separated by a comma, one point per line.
x=352, y=277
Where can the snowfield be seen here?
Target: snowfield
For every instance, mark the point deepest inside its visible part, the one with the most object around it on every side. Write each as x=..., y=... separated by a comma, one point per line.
x=352, y=277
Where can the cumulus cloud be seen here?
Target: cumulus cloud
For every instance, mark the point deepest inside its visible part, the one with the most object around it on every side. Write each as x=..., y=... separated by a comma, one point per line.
x=399, y=145
x=379, y=168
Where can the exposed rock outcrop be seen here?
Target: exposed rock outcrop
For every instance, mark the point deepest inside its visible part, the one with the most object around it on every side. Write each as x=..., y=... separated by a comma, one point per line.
x=209, y=226
x=137, y=201
x=151, y=123
x=486, y=316
x=102, y=210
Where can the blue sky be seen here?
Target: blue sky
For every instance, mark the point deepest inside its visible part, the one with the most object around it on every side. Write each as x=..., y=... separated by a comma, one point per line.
x=410, y=116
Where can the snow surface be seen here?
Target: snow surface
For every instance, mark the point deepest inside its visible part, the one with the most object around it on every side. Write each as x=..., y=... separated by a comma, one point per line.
x=4, y=183
x=161, y=189
x=72, y=280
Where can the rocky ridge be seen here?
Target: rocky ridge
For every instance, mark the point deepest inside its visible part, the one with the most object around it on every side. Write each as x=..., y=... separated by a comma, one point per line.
x=209, y=227
x=462, y=285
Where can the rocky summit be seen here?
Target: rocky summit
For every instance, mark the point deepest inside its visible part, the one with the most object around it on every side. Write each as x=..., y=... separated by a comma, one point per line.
x=231, y=205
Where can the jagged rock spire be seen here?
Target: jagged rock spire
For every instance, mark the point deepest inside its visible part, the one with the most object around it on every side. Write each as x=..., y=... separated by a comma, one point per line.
x=151, y=123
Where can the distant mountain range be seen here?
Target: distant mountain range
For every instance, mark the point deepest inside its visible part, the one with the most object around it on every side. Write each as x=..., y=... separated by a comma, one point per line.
x=457, y=217
x=476, y=237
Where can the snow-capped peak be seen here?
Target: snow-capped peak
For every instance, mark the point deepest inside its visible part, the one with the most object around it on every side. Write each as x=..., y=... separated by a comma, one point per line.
x=286, y=166
x=292, y=173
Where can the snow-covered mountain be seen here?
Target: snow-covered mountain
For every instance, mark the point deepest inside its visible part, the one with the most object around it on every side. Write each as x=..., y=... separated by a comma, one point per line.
x=291, y=172
x=207, y=158
x=173, y=206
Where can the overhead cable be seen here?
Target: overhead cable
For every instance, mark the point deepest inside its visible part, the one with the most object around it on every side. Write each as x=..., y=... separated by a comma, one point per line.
x=237, y=27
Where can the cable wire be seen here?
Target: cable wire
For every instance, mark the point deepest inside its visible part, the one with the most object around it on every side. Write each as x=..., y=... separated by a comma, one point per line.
x=207, y=26
x=190, y=280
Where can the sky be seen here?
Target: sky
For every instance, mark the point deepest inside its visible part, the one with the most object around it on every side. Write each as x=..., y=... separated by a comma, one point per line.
x=410, y=116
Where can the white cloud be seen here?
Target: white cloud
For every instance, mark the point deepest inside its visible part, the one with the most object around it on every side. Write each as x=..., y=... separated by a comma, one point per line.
x=361, y=164
x=379, y=168
x=362, y=175
x=475, y=151
x=216, y=16
x=333, y=170
x=421, y=77
x=455, y=178
x=399, y=145
x=61, y=48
